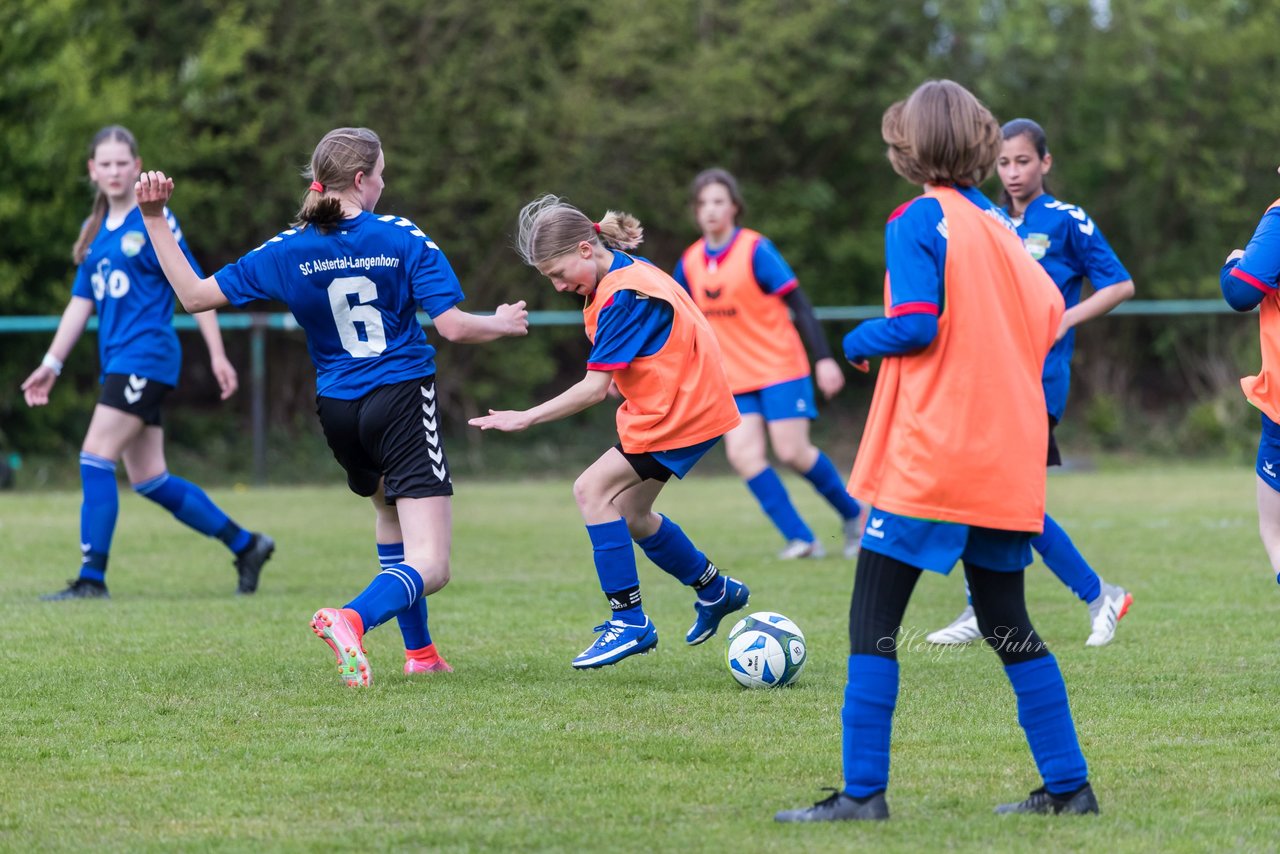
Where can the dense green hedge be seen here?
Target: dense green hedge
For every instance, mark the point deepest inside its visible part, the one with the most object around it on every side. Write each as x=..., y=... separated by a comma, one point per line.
x=1157, y=112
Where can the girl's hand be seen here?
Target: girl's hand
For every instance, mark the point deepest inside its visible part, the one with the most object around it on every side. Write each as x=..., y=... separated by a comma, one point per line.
x=153, y=191
x=513, y=318
x=35, y=388
x=506, y=420
x=1236, y=255
x=225, y=374
x=830, y=377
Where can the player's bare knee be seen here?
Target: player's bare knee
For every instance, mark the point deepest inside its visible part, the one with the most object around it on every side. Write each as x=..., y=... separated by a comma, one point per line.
x=588, y=495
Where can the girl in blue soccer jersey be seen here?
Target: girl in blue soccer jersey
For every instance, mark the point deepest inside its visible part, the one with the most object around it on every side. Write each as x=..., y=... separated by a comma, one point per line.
x=1249, y=279
x=754, y=303
x=354, y=282
x=1070, y=247
x=120, y=277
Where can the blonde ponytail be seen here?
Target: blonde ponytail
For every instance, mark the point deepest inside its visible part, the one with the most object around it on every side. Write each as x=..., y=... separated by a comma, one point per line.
x=549, y=227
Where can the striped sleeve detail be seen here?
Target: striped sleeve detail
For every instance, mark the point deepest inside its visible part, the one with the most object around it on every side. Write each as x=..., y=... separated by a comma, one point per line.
x=1250, y=279
x=913, y=308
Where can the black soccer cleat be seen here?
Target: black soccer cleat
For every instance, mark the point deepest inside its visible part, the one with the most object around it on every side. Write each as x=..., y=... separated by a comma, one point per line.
x=1044, y=802
x=249, y=562
x=840, y=807
x=79, y=588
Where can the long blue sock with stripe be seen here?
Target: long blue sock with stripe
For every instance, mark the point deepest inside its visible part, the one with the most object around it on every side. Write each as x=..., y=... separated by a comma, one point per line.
x=1045, y=717
x=192, y=507
x=615, y=561
x=393, y=590
x=870, y=696
x=675, y=554
x=826, y=480
x=1066, y=562
x=768, y=489
x=98, y=511
x=412, y=620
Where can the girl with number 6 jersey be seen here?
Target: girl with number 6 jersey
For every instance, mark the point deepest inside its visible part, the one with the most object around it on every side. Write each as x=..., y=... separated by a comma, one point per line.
x=120, y=279
x=354, y=282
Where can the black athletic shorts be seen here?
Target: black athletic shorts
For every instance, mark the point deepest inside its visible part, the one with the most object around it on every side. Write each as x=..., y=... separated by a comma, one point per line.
x=135, y=395
x=1055, y=457
x=646, y=465
x=393, y=432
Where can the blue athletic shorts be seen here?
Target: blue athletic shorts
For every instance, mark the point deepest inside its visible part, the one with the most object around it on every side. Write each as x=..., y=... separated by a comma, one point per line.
x=1268, y=465
x=660, y=465
x=938, y=546
x=791, y=399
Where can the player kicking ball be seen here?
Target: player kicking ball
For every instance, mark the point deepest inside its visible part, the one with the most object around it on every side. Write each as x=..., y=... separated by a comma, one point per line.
x=649, y=338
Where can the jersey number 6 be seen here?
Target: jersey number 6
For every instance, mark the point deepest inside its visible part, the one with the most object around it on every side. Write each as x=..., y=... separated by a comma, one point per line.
x=368, y=338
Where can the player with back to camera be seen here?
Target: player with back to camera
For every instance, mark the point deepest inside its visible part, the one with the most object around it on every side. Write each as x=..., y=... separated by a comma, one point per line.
x=119, y=277
x=749, y=295
x=648, y=337
x=1250, y=278
x=952, y=457
x=1070, y=247
x=354, y=281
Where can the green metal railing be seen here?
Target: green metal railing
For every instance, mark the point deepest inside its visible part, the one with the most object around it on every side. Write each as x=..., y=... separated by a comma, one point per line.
x=258, y=324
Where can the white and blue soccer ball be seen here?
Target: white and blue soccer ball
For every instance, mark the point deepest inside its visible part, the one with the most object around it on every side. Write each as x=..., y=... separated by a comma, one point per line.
x=766, y=650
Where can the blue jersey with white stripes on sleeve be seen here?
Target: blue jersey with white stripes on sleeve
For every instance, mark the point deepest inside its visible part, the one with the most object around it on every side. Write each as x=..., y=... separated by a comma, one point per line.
x=134, y=301
x=355, y=291
x=1070, y=247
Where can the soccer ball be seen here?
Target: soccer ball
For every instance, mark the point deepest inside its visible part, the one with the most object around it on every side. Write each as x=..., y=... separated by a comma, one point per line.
x=766, y=650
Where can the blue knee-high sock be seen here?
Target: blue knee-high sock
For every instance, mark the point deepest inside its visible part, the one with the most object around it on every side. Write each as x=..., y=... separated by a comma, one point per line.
x=616, y=566
x=98, y=511
x=191, y=506
x=826, y=480
x=675, y=554
x=392, y=591
x=413, y=620
x=1046, y=719
x=869, y=699
x=1066, y=562
x=768, y=489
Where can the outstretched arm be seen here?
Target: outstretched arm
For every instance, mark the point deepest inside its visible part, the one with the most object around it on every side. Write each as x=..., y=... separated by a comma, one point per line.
x=154, y=190
x=462, y=327
x=587, y=392
x=223, y=372
x=36, y=387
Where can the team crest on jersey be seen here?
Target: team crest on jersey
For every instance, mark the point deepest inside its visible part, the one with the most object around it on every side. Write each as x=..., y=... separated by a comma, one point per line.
x=1037, y=245
x=132, y=242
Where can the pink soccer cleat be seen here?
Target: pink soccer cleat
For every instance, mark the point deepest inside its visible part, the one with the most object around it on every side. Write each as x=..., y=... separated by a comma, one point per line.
x=333, y=627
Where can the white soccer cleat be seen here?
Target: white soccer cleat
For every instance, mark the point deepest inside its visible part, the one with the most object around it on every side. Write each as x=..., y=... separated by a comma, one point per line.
x=963, y=629
x=801, y=549
x=1105, y=613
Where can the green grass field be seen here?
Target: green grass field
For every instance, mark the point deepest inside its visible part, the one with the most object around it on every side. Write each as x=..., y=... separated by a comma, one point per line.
x=178, y=716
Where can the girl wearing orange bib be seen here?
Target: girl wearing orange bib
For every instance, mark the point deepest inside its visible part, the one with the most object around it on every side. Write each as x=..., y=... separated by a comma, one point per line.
x=650, y=340
x=749, y=295
x=952, y=458
x=1250, y=278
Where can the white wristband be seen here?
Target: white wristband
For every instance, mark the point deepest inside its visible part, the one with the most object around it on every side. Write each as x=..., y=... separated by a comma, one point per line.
x=52, y=362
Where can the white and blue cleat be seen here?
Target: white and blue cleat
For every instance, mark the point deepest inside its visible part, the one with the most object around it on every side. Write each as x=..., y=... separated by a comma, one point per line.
x=710, y=614
x=617, y=641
